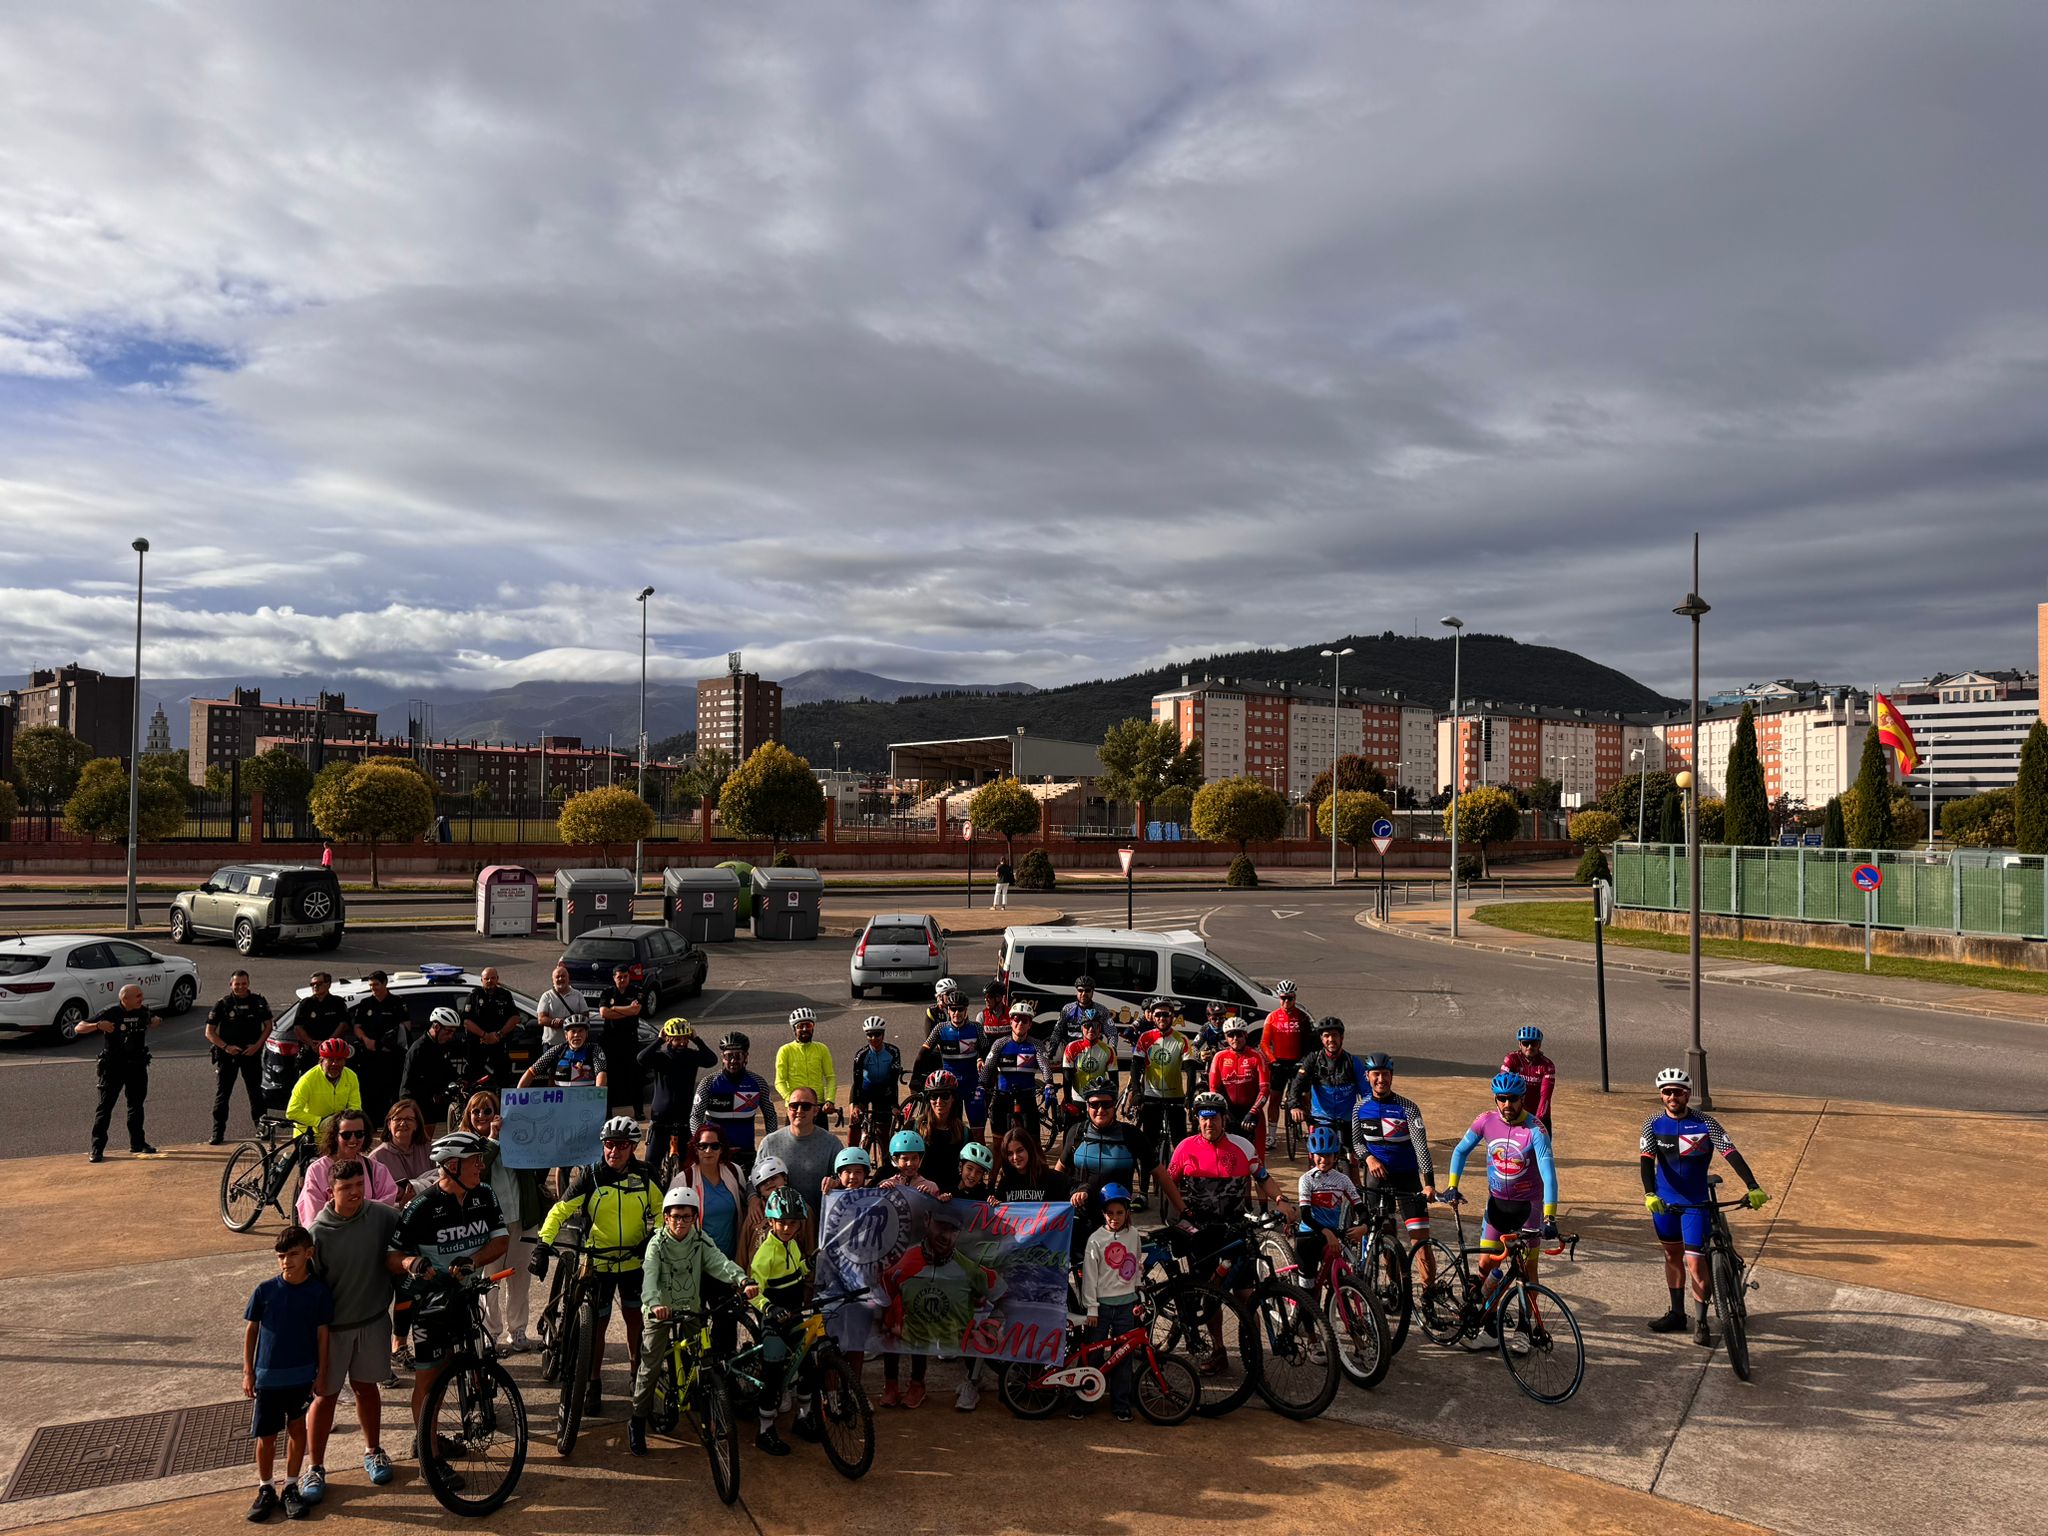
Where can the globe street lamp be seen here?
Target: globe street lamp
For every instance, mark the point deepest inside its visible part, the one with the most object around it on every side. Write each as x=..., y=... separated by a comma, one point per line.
x=1694, y=608
x=1457, y=629
x=639, y=844
x=1336, y=688
x=141, y=548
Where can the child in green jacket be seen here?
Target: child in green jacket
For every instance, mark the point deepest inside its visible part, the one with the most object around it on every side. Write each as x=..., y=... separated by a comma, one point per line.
x=679, y=1257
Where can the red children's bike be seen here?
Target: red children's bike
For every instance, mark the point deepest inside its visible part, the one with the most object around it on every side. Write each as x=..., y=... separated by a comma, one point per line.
x=1165, y=1385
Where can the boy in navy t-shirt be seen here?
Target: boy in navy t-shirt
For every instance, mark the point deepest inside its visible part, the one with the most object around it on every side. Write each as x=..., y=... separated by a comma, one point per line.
x=284, y=1353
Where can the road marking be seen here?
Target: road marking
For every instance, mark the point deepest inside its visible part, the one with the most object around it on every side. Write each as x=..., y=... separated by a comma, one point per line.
x=1283, y=913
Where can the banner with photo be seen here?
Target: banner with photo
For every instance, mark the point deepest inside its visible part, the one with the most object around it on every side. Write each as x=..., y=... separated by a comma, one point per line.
x=952, y=1278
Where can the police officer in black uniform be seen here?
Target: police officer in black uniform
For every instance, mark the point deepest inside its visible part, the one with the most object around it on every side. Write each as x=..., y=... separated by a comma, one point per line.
x=378, y=1028
x=621, y=1008
x=489, y=1015
x=321, y=1014
x=123, y=1067
x=236, y=1028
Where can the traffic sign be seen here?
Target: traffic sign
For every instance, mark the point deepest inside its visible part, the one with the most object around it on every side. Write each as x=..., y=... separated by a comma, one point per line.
x=1868, y=877
x=1383, y=844
x=1124, y=857
x=1383, y=828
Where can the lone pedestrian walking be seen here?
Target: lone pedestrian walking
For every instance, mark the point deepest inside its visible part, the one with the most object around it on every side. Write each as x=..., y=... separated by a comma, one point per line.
x=1005, y=876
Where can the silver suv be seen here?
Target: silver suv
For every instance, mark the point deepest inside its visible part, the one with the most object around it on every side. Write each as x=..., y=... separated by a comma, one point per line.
x=257, y=905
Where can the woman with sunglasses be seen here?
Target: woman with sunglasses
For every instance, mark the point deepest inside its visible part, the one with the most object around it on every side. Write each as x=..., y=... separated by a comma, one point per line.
x=341, y=1138
x=722, y=1202
x=941, y=1119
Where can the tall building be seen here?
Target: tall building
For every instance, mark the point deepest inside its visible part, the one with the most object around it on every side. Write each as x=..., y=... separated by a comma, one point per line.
x=515, y=779
x=7, y=708
x=96, y=708
x=226, y=731
x=1810, y=744
x=1282, y=733
x=1585, y=752
x=1969, y=728
x=738, y=712
x=159, y=733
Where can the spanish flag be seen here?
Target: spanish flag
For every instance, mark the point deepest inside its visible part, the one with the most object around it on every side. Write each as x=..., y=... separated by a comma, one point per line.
x=1893, y=732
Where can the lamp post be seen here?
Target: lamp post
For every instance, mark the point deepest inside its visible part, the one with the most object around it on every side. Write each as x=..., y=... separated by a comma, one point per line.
x=1642, y=788
x=1695, y=609
x=141, y=548
x=1336, y=688
x=1561, y=758
x=640, y=784
x=1457, y=629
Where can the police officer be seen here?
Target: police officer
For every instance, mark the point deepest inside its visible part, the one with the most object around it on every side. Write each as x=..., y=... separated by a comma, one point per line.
x=621, y=1008
x=379, y=1027
x=236, y=1028
x=321, y=1014
x=123, y=1067
x=489, y=1015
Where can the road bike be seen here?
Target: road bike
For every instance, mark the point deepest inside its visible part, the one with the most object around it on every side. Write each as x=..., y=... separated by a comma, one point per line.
x=692, y=1383
x=1727, y=1277
x=794, y=1354
x=1164, y=1385
x=258, y=1170
x=1358, y=1323
x=1538, y=1338
x=1385, y=1262
x=472, y=1434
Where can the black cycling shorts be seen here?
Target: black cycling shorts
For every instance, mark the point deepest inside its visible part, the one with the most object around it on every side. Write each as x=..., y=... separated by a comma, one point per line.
x=624, y=1283
x=1404, y=1188
x=1508, y=1216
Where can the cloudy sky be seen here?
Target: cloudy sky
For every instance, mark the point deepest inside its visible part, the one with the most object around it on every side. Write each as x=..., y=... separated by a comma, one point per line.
x=968, y=342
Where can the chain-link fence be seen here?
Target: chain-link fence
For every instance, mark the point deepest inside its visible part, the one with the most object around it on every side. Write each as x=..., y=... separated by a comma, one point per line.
x=1945, y=890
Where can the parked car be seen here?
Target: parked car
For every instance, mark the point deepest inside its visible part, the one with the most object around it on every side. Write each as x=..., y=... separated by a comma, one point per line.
x=898, y=949
x=55, y=981
x=1129, y=965
x=257, y=905
x=664, y=964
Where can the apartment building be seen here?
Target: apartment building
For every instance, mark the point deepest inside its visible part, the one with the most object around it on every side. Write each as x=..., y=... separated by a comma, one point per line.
x=226, y=731
x=514, y=777
x=1810, y=744
x=738, y=712
x=1285, y=734
x=96, y=708
x=1583, y=751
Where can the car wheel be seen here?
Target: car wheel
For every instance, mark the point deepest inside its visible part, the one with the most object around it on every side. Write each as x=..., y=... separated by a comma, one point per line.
x=245, y=936
x=859, y=991
x=328, y=940
x=697, y=986
x=181, y=926
x=184, y=992
x=650, y=1001
x=69, y=1017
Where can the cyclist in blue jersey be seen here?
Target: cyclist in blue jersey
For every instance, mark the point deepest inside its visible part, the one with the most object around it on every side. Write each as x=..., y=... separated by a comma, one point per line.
x=1328, y=1085
x=956, y=1046
x=731, y=1098
x=877, y=1074
x=1394, y=1146
x=1678, y=1147
x=1074, y=1018
x=1013, y=1074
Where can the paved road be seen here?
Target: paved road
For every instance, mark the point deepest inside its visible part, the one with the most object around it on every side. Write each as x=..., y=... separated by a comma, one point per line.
x=1438, y=1009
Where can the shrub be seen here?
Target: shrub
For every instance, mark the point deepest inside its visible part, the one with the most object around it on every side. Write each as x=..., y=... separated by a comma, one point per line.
x=783, y=859
x=1034, y=871
x=1242, y=876
x=1592, y=866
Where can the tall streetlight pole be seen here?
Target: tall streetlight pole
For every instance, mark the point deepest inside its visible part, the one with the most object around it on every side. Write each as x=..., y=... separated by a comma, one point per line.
x=640, y=788
x=1457, y=629
x=1641, y=789
x=1336, y=688
x=1695, y=609
x=141, y=548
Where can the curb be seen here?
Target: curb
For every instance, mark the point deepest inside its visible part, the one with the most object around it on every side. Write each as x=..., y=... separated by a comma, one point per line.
x=1367, y=920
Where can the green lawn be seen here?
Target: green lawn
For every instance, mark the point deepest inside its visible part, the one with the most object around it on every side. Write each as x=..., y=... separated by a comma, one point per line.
x=1574, y=920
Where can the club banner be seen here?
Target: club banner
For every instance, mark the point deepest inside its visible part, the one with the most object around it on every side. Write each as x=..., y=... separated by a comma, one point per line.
x=949, y=1278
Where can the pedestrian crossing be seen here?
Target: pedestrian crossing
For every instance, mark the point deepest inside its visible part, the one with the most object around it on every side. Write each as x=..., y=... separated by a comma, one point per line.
x=1145, y=916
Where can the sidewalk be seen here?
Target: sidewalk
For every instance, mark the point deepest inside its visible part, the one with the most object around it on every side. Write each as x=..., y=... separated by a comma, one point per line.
x=1434, y=923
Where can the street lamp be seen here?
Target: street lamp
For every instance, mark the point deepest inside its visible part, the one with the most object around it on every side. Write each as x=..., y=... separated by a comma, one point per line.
x=1642, y=788
x=1457, y=629
x=835, y=757
x=1336, y=673
x=1695, y=608
x=640, y=788
x=141, y=548
x=1561, y=758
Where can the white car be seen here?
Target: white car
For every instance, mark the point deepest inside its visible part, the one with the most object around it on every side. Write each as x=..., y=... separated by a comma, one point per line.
x=56, y=981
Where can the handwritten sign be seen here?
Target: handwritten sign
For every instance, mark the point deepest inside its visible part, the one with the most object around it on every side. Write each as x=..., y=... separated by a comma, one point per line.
x=551, y=1127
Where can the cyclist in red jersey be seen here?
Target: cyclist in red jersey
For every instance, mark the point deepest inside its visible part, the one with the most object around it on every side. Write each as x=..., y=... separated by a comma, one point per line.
x=1288, y=1035
x=1240, y=1075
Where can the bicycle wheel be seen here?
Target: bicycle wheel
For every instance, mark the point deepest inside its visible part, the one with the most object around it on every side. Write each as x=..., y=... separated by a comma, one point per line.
x=1360, y=1326
x=1384, y=1266
x=577, y=1341
x=1217, y=1334
x=1539, y=1340
x=550, y=1329
x=1293, y=1134
x=473, y=1437
x=1443, y=1299
x=1016, y=1386
x=719, y=1428
x=1734, y=1315
x=1299, y=1372
x=1277, y=1252
x=845, y=1416
x=668, y=1404
x=242, y=1185
x=1168, y=1389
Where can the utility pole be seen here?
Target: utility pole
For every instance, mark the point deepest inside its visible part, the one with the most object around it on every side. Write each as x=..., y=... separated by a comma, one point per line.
x=1336, y=709
x=141, y=548
x=1457, y=629
x=640, y=782
x=1695, y=608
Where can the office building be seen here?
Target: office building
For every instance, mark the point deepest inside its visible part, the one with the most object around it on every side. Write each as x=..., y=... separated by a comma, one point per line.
x=1969, y=728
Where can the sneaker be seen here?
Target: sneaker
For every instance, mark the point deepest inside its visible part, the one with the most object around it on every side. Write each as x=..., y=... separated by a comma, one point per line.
x=771, y=1443
x=143, y=1149
x=265, y=1504
x=1671, y=1322
x=217, y=1139
x=892, y=1395
x=313, y=1485
x=968, y=1398
x=1080, y=1410
x=1123, y=1415
x=1702, y=1335
x=378, y=1465
x=913, y=1395
x=593, y=1400
x=520, y=1344
x=806, y=1427
x=294, y=1502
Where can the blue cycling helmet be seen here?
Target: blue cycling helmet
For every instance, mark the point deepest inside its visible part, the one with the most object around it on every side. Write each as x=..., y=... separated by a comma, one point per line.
x=1378, y=1061
x=910, y=1141
x=852, y=1157
x=1115, y=1192
x=1528, y=1034
x=1324, y=1141
x=1510, y=1085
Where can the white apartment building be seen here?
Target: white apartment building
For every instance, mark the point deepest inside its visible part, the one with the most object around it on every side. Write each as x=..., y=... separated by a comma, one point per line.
x=1969, y=727
x=1811, y=744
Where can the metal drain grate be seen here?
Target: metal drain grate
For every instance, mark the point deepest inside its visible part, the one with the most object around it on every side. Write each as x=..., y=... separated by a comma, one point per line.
x=72, y=1458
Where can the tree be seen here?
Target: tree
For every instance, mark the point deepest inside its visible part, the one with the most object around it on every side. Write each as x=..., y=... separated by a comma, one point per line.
x=1867, y=808
x=1713, y=814
x=170, y=768
x=1485, y=815
x=1671, y=818
x=604, y=818
x=1240, y=811
x=1621, y=797
x=1356, y=812
x=705, y=777
x=2029, y=793
x=1834, y=831
x=773, y=794
x=1981, y=821
x=1141, y=759
x=1596, y=829
x=47, y=762
x=374, y=802
x=281, y=777
x=1747, y=823
x=10, y=807
x=218, y=781
x=1353, y=773
x=98, y=807
x=1003, y=808
x=1545, y=795
x=1175, y=803
x=1592, y=864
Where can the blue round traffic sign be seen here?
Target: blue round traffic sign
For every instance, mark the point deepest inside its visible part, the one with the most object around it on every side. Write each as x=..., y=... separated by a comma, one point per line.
x=1383, y=828
x=1868, y=877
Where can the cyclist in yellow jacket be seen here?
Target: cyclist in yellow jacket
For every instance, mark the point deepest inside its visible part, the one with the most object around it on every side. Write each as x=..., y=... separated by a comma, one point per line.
x=326, y=1090
x=806, y=1063
x=621, y=1204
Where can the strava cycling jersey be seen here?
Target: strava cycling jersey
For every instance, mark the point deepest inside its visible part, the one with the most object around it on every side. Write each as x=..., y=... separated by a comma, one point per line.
x=1165, y=1074
x=1216, y=1177
x=1518, y=1164
x=1285, y=1037
x=1678, y=1155
x=1329, y=1087
x=1391, y=1130
x=1325, y=1199
x=443, y=1228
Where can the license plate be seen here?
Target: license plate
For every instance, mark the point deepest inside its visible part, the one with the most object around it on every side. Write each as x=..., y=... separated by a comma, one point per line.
x=895, y=975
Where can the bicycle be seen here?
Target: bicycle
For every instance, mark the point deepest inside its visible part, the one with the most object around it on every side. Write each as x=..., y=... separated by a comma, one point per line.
x=814, y=1367
x=1727, y=1278
x=1358, y=1322
x=568, y=1324
x=466, y=1464
x=1538, y=1337
x=258, y=1170
x=1166, y=1387
x=693, y=1384
x=1386, y=1264
x=869, y=1127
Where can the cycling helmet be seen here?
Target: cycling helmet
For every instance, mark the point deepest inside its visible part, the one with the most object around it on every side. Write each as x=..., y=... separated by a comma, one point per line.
x=1323, y=1141
x=785, y=1205
x=456, y=1144
x=1099, y=1093
x=1378, y=1061
x=1115, y=1192
x=1528, y=1034
x=993, y=989
x=1284, y=989
x=735, y=1042
x=576, y=1021
x=334, y=1048
x=1329, y=1023
x=443, y=1018
x=620, y=1128
x=1674, y=1077
x=852, y=1157
x=977, y=1153
x=801, y=1016
x=1216, y=1010
x=1510, y=1085
x=1023, y=1011
x=768, y=1166
x=1211, y=1104
x=873, y=1024
x=682, y=1196
x=942, y=1081
x=906, y=1141
x=677, y=1028
x=1152, y=1002
x=1236, y=1025
x=1084, y=983
x=956, y=1000
x=947, y=987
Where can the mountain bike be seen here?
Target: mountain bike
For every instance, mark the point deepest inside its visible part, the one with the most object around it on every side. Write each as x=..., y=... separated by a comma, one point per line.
x=815, y=1368
x=692, y=1383
x=568, y=1323
x=1358, y=1323
x=258, y=1170
x=472, y=1433
x=1537, y=1335
x=1728, y=1278
x=1165, y=1386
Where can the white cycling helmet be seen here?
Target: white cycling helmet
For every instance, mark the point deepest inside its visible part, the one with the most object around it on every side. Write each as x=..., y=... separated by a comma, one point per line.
x=1283, y=989
x=1674, y=1077
x=682, y=1197
x=874, y=1024
x=620, y=1128
x=766, y=1168
x=456, y=1145
x=1023, y=1011
x=801, y=1016
x=946, y=987
x=443, y=1018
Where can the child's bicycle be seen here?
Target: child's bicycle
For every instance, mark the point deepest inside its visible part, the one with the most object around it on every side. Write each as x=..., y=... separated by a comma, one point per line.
x=1537, y=1335
x=694, y=1384
x=815, y=1368
x=1166, y=1387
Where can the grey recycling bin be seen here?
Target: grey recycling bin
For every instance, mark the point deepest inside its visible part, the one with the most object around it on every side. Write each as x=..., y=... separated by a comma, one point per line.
x=591, y=898
x=703, y=903
x=786, y=903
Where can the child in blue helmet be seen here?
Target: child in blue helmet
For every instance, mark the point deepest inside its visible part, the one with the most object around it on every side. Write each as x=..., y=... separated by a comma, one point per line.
x=1325, y=1199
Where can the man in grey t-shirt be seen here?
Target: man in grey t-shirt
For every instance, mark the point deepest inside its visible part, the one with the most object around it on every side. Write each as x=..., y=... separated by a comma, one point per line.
x=806, y=1150
x=352, y=1253
x=556, y=1004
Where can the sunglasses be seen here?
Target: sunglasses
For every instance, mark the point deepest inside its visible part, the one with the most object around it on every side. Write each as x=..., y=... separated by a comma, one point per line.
x=1208, y=1114
x=710, y=1146
x=350, y=1135
x=618, y=1142
x=797, y=1104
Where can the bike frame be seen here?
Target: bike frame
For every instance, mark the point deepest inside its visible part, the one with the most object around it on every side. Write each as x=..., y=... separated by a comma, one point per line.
x=1113, y=1350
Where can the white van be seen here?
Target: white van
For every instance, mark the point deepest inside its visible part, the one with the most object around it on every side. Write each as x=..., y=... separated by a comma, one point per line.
x=1128, y=966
